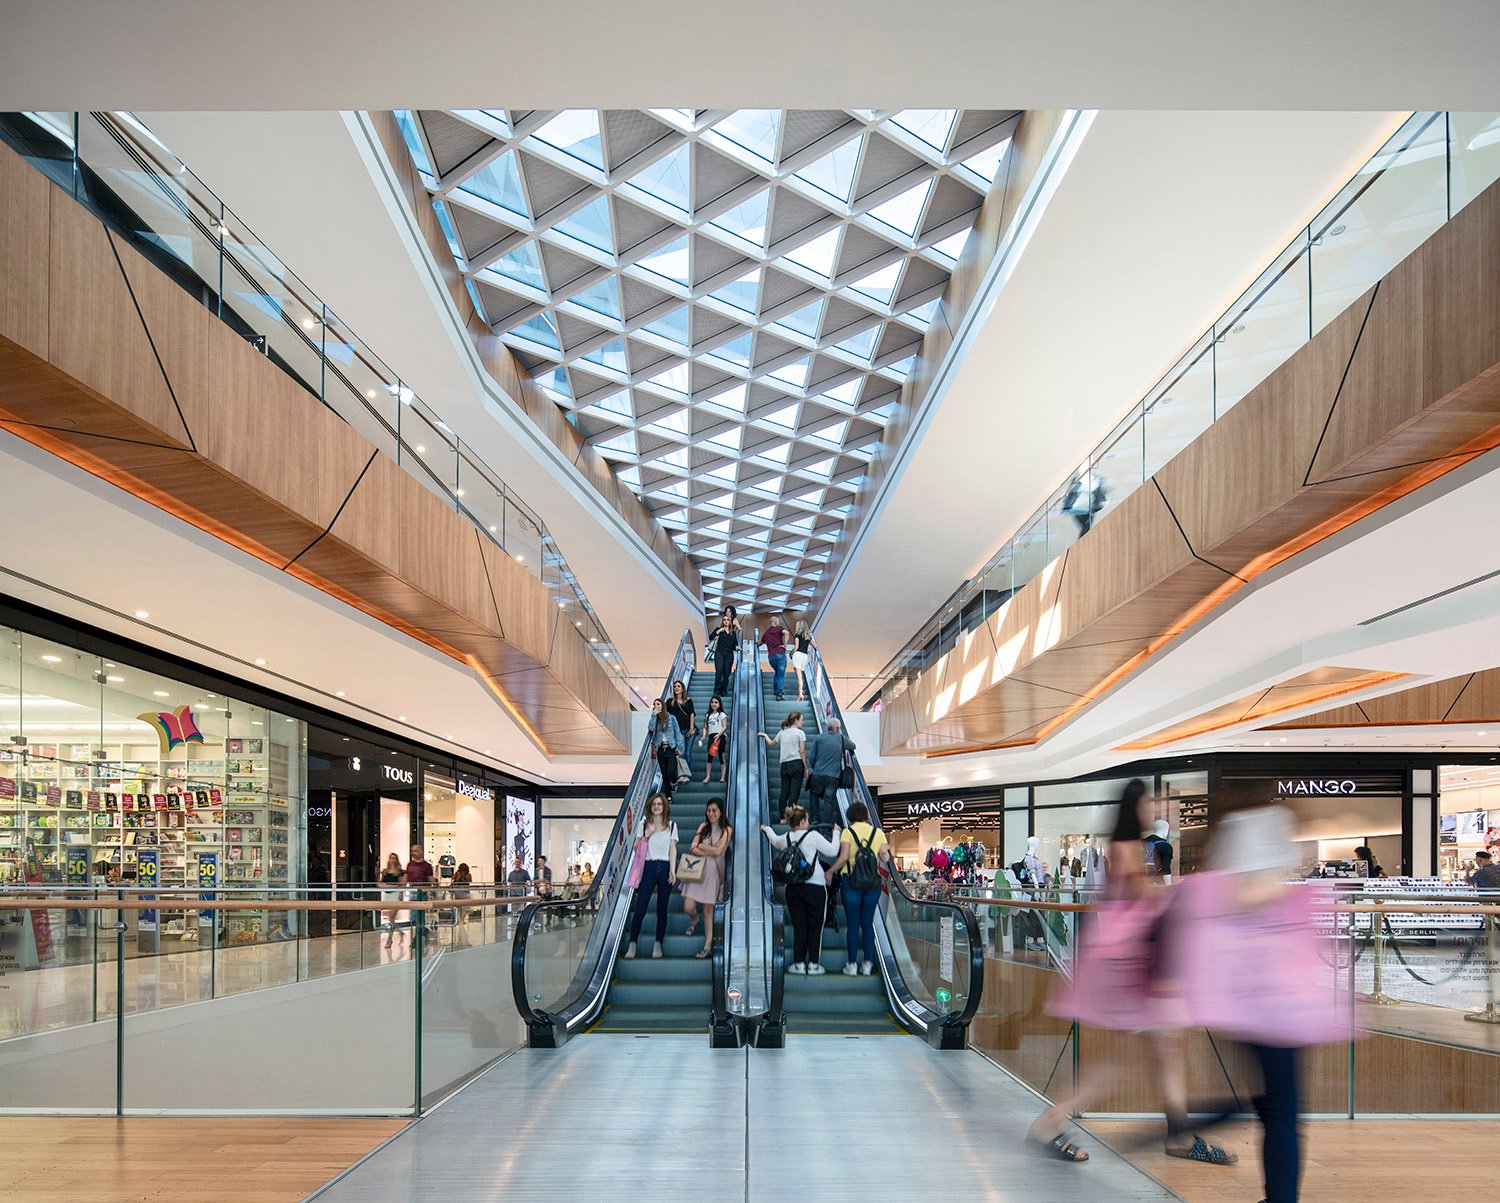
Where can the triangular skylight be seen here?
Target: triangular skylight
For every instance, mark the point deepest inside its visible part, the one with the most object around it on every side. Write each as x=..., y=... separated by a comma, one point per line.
x=678, y=279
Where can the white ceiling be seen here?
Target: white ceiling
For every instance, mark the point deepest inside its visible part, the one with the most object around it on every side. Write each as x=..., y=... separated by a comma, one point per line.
x=340, y=230
x=1159, y=222
x=100, y=554
x=726, y=304
x=382, y=54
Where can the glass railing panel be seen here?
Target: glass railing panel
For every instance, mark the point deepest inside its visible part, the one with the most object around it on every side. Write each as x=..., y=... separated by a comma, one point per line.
x=469, y=1013
x=481, y=496
x=359, y=388
x=1120, y=464
x=1068, y=512
x=430, y=450
x=1263, y=329
x=1181, y=407
x=1030, y=554
x=1389, y=209
x=1474, y=155
x=932, y=949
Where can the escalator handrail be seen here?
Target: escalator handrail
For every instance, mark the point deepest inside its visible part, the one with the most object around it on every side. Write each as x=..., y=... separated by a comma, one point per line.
x=820, y=690
x=724, y=926
x=608, y=880
x=776, y=952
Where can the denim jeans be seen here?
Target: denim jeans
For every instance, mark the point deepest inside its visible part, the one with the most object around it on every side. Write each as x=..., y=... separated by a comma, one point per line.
x=655, y=876
x=1281, y=1146
x=859, y=916
x=778, y=666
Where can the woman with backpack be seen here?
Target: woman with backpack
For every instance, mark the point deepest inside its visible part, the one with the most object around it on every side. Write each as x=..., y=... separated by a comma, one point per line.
x=862, y=849
x=806, y=885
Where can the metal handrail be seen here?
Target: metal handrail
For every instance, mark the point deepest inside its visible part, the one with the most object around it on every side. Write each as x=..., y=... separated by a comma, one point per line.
x=949, y=1030
x=607, y=896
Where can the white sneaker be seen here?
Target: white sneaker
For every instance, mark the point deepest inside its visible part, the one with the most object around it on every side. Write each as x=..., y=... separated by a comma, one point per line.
x=798, y=968
x=851, y=970
x=867, y=968
x=657, y=953
x=816, y=970
x=630, y=953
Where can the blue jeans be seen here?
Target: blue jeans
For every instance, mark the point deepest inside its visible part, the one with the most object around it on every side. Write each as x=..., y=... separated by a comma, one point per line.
x=778, y=666
x=654, y=879
x=859, y=917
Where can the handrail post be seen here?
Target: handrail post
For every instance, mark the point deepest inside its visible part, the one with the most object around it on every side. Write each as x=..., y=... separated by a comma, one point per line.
x=1379, y=997
x=1489, y=1014
x=419, y=927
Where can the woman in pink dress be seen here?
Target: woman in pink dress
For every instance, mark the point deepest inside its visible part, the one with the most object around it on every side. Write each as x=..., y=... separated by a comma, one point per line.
x=710, y=841
x=1116, y=986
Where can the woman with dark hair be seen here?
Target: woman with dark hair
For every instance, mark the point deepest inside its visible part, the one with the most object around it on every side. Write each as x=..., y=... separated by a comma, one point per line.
x=806, y=900
x=723, y=643
x=680, y=707
x=1115, y=987
x=1363, y=855
x=716, y=732
x=665, y=738
x=710, y=841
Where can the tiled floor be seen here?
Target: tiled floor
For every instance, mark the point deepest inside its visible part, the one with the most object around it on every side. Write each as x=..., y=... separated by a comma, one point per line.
x=835, y=1118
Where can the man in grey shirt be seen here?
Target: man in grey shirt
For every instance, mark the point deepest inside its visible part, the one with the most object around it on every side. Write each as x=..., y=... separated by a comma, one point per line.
x=825, y=761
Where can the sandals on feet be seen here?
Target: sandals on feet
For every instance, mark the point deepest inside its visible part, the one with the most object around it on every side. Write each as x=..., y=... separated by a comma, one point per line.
x=1201, y=1150
x=1059, y=1146
x=701, y=954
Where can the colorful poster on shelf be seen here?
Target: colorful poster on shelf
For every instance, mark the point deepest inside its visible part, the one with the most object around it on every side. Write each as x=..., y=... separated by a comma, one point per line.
x=215, y=796
x=41, y=921
x=54, y=795
x=74, y=799
x=7, y=787
x=28, y=791
x=96, y=799
x=127, y=801
x=201, y=796
x=159, y=801
x=76, y=866
x=148, y=874
x=233, y=747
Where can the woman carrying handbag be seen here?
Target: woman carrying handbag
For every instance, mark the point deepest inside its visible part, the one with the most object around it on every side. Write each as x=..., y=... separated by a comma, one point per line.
x=705, y=857
x=656, y=854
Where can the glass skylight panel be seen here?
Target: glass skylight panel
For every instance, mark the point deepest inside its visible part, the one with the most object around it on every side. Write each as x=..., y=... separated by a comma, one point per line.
x=407, y=122
x=445, y=220
x=743, y=294
x=794, y=373
x=754, y=130
x=575, y=132
x=668, y=180
x=602, y=297
x=674, y=379
x=986, y=164
x=747, y=220
x=590, y=225
x=499, y=116
x=881, y=285
x=932, y=126
x=904, y=212
x=925, y=313
x=735, y=351
x=952, y=247
x=673, y=423
x=555, y=384
x=681, y=118
x=903, y=367
x=728, y=440
x=499, y=183
x=523, y=264
x=670, y=262
x=776, y=453
x=538, y=330
x=805, y=320
x=862, y=345
x=731, y=398
x=610, y=355
x=834, y=172
x=671, y=326
x=819, y=255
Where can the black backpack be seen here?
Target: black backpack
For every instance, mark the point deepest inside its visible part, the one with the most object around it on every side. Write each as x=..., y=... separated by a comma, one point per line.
x=790, y=867
x=864, y=869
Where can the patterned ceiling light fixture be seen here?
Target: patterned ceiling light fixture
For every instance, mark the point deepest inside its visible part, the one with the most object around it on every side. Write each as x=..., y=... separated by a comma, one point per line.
x=726, y=303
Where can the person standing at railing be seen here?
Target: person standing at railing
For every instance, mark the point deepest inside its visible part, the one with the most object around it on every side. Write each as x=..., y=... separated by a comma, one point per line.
x=723, y=645
x=826, y=756
x=656, y=848
x=862, y=848
x=791, y=744
x=774, y=641
x=806, y=896
x=802, y=645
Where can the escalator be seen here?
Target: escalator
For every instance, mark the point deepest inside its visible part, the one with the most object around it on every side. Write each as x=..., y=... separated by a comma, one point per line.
x=567, y=974
x=673, y=993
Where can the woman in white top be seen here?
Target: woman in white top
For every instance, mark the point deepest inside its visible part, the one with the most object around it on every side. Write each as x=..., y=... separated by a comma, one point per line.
x=716, y=732
x=659, y=835
x=791, y=743
x=806, y=901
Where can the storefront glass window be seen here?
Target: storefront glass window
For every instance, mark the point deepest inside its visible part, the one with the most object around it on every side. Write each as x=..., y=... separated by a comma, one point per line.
x=574, y=832
x=1468, y=817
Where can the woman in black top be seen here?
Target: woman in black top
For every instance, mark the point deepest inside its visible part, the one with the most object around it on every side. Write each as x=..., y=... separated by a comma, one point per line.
x=391, y=874
x=681, y=708
x=722, y=645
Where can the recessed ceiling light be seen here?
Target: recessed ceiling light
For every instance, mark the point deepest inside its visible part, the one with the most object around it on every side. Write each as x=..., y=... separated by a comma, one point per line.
x=460, y=492
x=52, y=659
x=449, y=735
x=520, y=559
x=401, y=718
x=578, y=622
x=291, y=720
x=142, y=614
x=370, y=393
x=1338, y=229
x=421, y=450
x=260, y=662
x=255, y=722
x=160, y=693
x=117, y=680
x=308, y=323
x=492, y=530
x=1283, y=739
x=339, y=694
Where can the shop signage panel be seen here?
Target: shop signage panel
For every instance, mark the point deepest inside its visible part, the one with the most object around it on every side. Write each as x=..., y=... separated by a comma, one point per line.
x=899, y=810
x=470, y=788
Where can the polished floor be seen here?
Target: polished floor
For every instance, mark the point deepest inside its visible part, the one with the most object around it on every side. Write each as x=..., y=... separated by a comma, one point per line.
x=845, y=1119
x=246, y=1160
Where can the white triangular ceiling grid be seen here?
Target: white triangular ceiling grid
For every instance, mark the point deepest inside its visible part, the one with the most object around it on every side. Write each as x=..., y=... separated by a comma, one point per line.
x=725, y=303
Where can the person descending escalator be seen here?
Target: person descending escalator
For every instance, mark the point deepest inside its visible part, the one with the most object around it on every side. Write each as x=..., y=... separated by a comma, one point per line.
x=722, y=646
x=665, y=737
x=711, y=842
x=716, y=736
x=656, y=863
